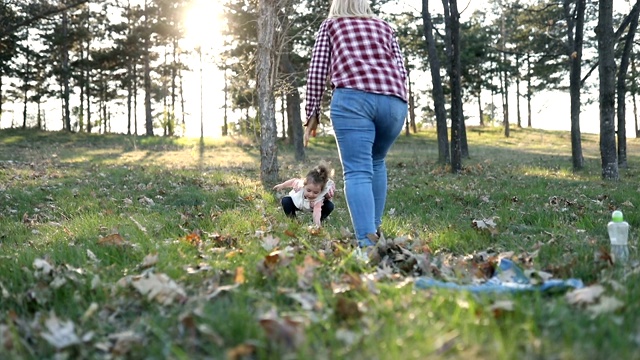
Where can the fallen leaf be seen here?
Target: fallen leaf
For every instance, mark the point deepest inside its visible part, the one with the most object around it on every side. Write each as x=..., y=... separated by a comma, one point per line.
x=286, y=332
x=242, y=351
x=586, y=295
x=607, y=304
x=627, y=204
x=307, y=300
x=346, y=309
x=500, y=307
x=149, y=261
x=113, y=239
x=90, y=311
x=239, y=278
x=269, y=242
x=43, y=266
x=159, y=287
x=60, y=334
x=306, y=272
x=193, y=238
x=123, y=341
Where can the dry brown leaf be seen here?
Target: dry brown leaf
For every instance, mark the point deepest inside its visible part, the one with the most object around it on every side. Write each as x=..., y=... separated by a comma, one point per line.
x=149, y=261
x=123, y=342
x=239, y=278
x=159, y=287
x=306, y=272
x=241, y=351
x=314, y=230
x=113, y=239
x=285, y=332
x=346, y=309
x=193, y=238
x=274, y=260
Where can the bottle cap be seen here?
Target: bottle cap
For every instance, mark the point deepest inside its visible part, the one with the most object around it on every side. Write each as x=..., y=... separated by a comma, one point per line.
x=616, y=216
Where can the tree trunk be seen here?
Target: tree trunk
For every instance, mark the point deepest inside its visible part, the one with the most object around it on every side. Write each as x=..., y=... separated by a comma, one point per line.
x=438, y=92
x=266, y=102
x=529, y=91
x=87, y=77
x=412, y=107
x=634, y=73
x=622, y=87
x=130, y=74
x=504, y=76
x=174, y=75
x=225, y=125
x=24, y=109
x=135, y=97
x=1, y=98
x=518, y=92
x=129, y=96
x=606, y=72
x=457, y=122
x=293, y=105
x=480, y=113
x=147, y=76
x=65, y=71
x=574, y=42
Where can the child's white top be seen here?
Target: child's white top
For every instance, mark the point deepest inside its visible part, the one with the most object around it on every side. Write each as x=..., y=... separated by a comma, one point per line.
x=298, y=196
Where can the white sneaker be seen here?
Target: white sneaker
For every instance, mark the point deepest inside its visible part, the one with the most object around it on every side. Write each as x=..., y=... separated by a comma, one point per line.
x=361, y=255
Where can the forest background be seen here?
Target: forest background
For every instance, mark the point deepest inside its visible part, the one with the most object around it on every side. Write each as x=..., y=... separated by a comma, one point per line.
x=180, y=67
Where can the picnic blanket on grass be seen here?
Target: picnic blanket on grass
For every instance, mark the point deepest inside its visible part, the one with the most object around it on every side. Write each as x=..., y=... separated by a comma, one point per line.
x=508, y=278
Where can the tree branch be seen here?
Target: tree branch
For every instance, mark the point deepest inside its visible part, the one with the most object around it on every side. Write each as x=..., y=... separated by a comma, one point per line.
x=616, y=37
x=42, y=15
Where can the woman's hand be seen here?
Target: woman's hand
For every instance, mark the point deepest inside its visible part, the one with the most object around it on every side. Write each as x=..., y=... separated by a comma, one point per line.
x=330, y=192
x=310, y=131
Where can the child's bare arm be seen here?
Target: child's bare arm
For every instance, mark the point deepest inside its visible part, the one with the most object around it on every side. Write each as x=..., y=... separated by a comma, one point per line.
x=286, y=184
x=317, y=212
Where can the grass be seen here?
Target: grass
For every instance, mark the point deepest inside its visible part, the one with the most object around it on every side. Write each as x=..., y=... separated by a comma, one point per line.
x=90, y=224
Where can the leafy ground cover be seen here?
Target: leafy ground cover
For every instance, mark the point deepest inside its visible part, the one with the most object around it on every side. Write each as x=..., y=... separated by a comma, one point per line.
x=120, y=247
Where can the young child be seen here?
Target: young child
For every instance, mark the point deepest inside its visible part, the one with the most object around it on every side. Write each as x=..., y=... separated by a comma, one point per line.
x=312, y=194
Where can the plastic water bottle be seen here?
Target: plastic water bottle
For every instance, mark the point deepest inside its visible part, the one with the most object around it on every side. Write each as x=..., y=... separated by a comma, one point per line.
x=619, y=235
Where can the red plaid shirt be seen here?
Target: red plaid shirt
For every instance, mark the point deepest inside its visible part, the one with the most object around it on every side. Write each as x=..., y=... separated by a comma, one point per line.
x=360, y=53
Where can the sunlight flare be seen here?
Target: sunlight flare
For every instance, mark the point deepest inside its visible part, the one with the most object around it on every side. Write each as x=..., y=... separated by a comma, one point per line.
x=204, y=21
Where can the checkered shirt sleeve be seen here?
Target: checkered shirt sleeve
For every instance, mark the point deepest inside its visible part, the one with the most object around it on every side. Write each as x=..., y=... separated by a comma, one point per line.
x=357, y=53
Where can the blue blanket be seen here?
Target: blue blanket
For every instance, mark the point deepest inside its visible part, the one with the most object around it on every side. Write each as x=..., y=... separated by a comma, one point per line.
x=509, y=278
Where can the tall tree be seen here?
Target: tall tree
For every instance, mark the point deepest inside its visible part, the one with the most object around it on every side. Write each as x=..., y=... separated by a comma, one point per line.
x=575, y=34
x=437, y=89
x=453, y=24
x=607, y=71
x=266, y=73
x=148, y=120
x=622, y=86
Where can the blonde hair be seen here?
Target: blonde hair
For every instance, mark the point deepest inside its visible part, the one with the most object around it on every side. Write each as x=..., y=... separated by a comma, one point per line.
x=350, y=8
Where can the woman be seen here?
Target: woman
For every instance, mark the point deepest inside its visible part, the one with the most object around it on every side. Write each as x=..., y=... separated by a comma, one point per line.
x=361, y=56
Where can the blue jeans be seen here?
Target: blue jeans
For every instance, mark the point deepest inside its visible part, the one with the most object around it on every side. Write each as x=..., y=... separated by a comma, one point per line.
x=365, y=125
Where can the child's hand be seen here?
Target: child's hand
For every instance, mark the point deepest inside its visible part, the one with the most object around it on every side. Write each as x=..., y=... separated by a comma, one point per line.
x=330, y=192
x=277, y=187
